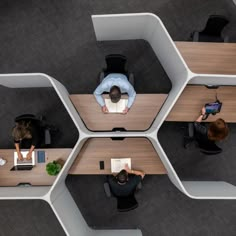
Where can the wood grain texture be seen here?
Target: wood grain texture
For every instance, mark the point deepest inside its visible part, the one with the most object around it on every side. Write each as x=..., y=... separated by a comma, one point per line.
x=193, y=98
x=209, y=58
x=36, y=176
x=140, y=116
x=140, y=150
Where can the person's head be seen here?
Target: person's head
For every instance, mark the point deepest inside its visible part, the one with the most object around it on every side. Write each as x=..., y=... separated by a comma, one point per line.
x=218, y=130
x=115, y=94
x=122, y=177
x=21, y=130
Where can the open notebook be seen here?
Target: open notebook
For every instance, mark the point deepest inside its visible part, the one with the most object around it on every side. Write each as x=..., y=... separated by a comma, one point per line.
x=119, y=164
x=17, y=162
x=116, y=107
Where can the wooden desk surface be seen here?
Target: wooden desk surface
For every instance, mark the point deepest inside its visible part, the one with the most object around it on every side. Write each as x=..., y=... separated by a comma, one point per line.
x=194, y=98
x=36, y=176
x=209, y=58
x=140, y=150
x=140, y=116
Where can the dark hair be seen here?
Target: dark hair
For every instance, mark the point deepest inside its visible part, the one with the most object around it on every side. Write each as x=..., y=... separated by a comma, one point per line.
x=122, y=177
x=21, y=130
x=115, y=94
x=218, y=130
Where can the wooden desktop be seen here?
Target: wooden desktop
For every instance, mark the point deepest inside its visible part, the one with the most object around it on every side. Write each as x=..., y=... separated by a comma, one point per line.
x=209, y=58
x=140, y=116
x=140, y=150
x=194, y=97
x=36, y=176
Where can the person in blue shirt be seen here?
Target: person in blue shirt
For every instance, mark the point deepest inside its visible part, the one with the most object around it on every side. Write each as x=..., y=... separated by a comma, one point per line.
x=115, y=84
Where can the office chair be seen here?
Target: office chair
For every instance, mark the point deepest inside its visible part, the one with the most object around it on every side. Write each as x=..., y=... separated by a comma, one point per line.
x=44, y=129
x=124, y=204
x=116, y=63
x=209, y=148
x=212, y=31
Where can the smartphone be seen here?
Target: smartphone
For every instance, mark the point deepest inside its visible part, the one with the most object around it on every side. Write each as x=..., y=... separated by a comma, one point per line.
x=101, y=164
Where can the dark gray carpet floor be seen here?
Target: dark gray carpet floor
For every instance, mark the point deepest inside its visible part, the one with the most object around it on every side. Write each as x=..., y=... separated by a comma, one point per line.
x=56, y=37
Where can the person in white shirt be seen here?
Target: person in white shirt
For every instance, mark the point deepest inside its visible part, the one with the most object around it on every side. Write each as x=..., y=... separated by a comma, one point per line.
x=115, y=84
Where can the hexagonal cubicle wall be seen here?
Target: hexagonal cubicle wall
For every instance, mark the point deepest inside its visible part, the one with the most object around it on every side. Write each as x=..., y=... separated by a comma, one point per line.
x=119, y=27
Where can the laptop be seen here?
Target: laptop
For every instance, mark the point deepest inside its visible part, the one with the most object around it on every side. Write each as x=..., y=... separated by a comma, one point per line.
x=24, y=164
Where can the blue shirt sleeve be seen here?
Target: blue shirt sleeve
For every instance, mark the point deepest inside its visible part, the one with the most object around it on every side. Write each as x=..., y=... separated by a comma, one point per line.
x=119, y=80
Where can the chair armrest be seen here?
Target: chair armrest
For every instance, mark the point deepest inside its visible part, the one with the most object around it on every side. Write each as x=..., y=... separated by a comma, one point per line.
x=195, y=36
x=47, y=136
x=101, y=77
x=131, y=78
x=226, y=39
x=190, y=130
x=107, y=189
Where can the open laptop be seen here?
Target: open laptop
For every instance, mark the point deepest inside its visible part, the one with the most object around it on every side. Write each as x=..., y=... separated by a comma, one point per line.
x=24, y=164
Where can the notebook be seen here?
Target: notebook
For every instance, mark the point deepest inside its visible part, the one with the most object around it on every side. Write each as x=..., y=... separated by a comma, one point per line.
x=116, y=107
x=119, y=164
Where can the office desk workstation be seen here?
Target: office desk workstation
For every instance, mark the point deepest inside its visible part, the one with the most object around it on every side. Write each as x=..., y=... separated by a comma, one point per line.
x=37, y=176
x=194, y=97
x=209, y=58
x=140, y=150
x=140, y=116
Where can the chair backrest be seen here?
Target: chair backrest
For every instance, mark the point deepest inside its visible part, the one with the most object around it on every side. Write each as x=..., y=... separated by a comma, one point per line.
x=210, y=148
x=26, y=117
x=215, y=25
x=115, y=64
x=126, y=203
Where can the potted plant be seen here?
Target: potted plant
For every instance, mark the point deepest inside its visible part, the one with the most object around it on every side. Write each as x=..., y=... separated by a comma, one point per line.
x=53, y=168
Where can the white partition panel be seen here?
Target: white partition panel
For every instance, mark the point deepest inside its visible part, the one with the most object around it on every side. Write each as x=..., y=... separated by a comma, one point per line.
x=25, y=80
x=213, y=79
x=145, y=26
x=210, y=189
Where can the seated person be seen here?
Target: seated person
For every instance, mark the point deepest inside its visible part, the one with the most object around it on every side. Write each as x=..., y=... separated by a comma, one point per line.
x=217, y=130
x=26, y=136
x=125, y=182
x=115, y=84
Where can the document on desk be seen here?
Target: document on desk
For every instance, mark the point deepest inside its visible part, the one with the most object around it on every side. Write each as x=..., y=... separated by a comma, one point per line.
x=116, y=107
x=18, y=162
x=119, y=164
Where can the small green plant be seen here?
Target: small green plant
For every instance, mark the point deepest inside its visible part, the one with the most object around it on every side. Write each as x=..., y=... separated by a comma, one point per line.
x=53, y=168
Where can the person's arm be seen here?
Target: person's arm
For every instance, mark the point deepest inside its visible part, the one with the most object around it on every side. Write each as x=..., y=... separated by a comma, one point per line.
x=20, y=157
x=134, y=172
x=29, y=154
x=98, y=94
x=132, y=94
x=203, y=113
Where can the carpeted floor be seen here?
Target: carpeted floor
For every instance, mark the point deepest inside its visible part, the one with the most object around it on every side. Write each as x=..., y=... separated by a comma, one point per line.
x=56, y=37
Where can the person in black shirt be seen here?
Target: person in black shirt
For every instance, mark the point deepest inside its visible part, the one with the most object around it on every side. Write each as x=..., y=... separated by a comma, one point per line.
x=26, y=135
x=216, y=131
x=125, y=182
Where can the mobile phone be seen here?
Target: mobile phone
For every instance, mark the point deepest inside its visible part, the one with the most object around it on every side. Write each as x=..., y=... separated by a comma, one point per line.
x=101, y=164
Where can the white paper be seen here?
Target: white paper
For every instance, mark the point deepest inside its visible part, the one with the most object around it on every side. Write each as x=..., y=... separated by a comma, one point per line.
x=119, y=164
x=17, y=162
x=116, y=107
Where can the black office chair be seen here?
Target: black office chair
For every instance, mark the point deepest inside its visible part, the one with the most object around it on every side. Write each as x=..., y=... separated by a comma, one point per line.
x=124, y=204
x=212, y=32
x=44, y=128
x=116, y=63
x=209, y=147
